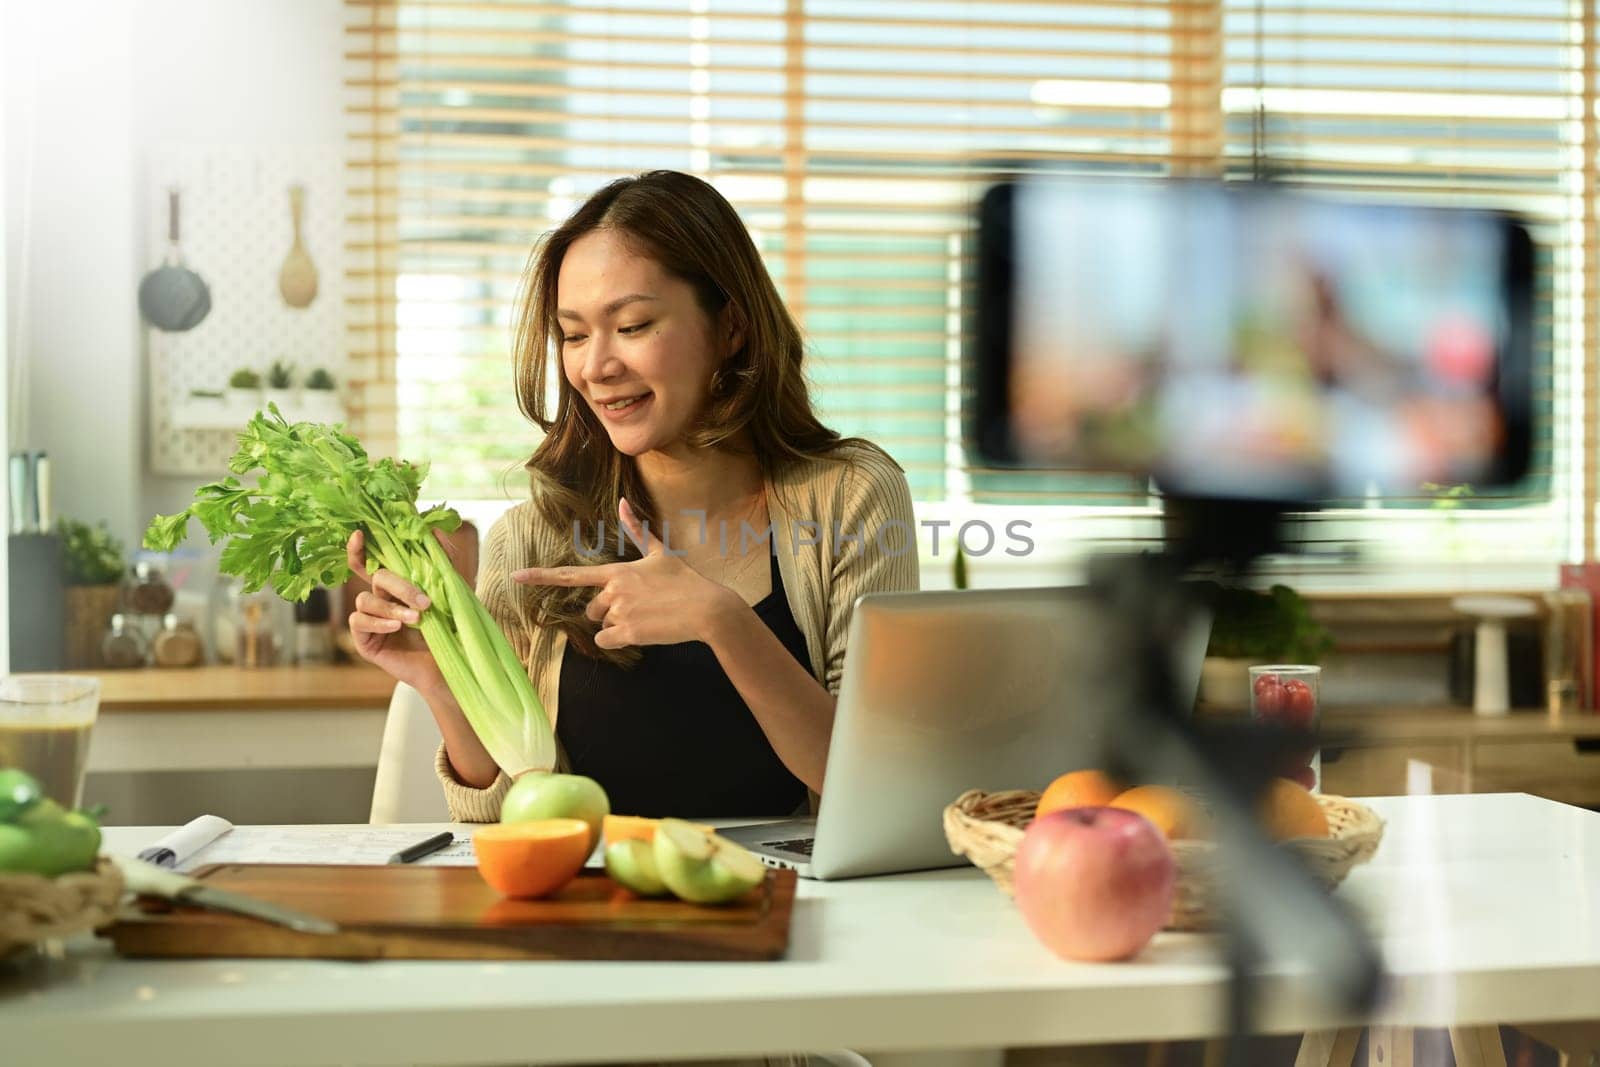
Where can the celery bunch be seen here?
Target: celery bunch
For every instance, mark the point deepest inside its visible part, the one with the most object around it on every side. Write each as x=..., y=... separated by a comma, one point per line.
x=316, y=487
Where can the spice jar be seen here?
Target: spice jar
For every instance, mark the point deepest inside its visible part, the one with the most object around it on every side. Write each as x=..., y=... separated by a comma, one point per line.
x=149, y=593
x=122, y=646
x=313, y=640
x=177, y=645
x=257, y=640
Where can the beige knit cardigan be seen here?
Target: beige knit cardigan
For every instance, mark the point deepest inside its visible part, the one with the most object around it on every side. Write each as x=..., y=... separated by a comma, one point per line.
x=842, y=526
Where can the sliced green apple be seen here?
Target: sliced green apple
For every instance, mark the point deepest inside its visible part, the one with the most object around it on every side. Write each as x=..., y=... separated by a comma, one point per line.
x=701, y=867
x=632, y=865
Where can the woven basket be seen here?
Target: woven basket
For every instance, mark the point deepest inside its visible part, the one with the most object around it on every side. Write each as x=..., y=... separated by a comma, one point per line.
x=987, y=828
x=34, y=908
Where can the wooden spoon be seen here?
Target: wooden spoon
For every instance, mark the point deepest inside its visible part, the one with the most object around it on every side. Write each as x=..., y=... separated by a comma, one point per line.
x=297, y=281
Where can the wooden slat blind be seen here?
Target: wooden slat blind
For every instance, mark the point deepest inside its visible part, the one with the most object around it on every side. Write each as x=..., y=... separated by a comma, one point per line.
x=1453, y=102
x=854, y=139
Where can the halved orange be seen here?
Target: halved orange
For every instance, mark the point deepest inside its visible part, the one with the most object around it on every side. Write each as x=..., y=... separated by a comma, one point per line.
x=616, y=828
x=531, y=859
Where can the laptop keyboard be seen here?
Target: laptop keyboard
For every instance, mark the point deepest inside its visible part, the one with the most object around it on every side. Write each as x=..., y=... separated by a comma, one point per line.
x=802, y=845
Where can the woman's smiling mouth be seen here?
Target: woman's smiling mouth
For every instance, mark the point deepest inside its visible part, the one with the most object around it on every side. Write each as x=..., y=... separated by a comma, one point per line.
x=623, y=407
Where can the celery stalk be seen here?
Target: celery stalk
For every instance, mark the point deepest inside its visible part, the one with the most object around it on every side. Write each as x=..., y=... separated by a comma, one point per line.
x=316, y=485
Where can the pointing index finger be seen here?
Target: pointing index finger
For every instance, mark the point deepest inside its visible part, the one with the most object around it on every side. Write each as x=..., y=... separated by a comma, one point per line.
x=598, y=574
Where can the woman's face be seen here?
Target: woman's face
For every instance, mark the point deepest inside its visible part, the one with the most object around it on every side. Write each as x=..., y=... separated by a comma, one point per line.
x=636, y=345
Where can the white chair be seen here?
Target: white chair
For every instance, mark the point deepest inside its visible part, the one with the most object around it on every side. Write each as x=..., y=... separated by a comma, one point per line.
x=406, y=788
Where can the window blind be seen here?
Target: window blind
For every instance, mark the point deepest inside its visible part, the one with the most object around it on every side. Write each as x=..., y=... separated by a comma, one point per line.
x=1453, y=102
x=854, y=140
x=853, y=144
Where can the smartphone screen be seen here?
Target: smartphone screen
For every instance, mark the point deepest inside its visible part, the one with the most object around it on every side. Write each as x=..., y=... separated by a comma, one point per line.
x=1248, y=342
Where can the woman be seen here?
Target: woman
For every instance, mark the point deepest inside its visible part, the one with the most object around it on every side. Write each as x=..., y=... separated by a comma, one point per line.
x=690, y=665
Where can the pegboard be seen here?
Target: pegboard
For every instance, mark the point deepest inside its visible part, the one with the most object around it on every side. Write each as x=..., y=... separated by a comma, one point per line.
x=235, y=232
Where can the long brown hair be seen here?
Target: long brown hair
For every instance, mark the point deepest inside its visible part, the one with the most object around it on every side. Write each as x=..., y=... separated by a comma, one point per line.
x=760, y=394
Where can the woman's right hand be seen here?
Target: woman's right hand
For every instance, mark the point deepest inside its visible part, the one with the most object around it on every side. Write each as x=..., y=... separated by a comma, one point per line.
x=380, y=621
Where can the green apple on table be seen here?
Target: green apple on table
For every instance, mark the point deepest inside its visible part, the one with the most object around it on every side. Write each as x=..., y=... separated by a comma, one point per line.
x=546, y=795
x=703, y=867
x=632, y=865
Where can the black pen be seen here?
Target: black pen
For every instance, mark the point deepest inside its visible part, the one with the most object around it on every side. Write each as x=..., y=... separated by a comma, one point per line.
x=412, y=853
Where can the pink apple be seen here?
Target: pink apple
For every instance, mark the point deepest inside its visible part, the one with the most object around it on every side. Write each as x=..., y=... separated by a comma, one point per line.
x=1094, y=883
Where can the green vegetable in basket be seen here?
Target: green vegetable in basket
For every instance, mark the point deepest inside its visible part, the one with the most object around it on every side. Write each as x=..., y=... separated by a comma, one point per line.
x=39, y=836
x=19, y=791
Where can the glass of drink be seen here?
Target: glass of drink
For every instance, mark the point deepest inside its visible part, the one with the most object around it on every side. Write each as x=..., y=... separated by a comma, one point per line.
x=1291, y=694
x=45, y=721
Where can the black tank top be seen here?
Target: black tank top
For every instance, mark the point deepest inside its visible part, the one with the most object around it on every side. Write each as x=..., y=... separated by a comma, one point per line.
x=672, y=736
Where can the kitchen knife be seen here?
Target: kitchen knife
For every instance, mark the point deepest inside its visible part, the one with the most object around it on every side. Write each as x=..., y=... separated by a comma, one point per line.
x=146, y=879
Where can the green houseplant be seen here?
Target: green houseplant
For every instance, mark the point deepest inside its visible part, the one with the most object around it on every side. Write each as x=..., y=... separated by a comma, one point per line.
x=319, y=397
x=1251, y=626
x=280, y=384
x=94, y=562
x=244, y=389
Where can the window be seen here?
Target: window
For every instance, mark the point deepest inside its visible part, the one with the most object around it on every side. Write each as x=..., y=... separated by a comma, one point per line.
x=854, y=140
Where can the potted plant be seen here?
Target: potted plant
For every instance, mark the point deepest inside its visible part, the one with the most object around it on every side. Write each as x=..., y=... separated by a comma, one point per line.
x=280, y=384
x=320, y=397
x=1251, y=627
x=94, y=562
x=244, y=389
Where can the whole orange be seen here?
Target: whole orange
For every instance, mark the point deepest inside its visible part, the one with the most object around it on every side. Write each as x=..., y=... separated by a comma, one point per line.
x=1078, y=789
x=1287, y=810
x=531, y=859
x=1174, y=813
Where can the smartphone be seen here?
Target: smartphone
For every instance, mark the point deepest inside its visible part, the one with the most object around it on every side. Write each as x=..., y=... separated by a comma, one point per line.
x=1244, y=341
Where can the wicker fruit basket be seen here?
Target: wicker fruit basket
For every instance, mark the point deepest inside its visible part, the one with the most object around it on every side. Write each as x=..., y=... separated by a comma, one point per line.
x=34, y=908
x=987, y=828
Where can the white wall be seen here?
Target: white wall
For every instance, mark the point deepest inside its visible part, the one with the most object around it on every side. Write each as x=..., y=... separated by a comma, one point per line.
x=90, y=87
x=5, y=498
x=70, y=248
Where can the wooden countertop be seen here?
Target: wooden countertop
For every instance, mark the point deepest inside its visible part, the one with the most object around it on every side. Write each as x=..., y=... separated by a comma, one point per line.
x=1398, y=724
x=239, y=689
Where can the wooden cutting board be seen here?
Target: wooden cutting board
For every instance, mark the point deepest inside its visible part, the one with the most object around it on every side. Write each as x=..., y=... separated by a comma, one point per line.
x=397, y=912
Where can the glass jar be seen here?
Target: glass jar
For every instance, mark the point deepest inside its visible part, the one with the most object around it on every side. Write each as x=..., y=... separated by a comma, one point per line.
x=123, y=646
x=259, y=639
x=313, y=637
x=177, y=645
x=149, y=593
x=1290, y=695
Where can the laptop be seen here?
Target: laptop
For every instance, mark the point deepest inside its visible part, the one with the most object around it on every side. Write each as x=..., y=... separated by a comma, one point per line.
x=944, y=692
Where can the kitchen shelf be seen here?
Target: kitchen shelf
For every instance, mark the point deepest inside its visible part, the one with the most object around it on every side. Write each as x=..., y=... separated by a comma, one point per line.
x=208, y=413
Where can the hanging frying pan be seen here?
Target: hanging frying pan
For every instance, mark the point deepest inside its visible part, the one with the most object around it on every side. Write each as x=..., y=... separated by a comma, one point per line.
x=173, y=297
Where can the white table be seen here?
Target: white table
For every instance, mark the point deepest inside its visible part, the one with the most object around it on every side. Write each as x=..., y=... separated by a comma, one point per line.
x=1487, y=908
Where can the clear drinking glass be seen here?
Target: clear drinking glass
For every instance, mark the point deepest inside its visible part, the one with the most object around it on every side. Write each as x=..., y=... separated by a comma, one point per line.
x=45, y=720
x=1291, y=694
